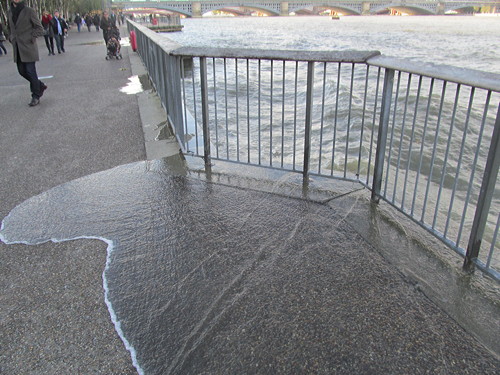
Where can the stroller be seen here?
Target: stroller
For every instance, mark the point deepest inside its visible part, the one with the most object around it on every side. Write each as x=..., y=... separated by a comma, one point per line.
x=113, y=44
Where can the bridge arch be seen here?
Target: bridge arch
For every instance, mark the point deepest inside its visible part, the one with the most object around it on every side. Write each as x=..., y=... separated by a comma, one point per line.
x=156, y=9
x=206, y=8
x=317, y=9
x=459, y=7
x=413, y=9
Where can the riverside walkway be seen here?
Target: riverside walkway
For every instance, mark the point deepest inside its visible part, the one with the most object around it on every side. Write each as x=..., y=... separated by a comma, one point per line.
x=224, y=273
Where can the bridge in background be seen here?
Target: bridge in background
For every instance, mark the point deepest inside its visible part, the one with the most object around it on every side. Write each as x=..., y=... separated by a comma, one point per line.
x=197, y=8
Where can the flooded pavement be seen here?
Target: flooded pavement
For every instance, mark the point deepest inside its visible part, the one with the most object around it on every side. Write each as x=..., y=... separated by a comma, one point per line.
x=203, y=277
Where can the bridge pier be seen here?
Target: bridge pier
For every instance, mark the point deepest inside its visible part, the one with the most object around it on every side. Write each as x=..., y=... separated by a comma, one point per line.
x=196, y=9
x=440, y=9
x=365, y=8
x=284, y=8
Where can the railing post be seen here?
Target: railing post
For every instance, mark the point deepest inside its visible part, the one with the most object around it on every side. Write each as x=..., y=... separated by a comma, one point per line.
x=485, y=196
x=385, y=111
x=204, y=111
x=308, y=123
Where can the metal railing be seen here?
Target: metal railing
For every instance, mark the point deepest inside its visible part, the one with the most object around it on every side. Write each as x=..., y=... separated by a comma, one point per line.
x=422, y=137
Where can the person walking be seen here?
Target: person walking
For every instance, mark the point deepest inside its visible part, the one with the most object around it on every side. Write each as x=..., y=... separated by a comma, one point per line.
x=25, y=27
x=59, y=26
x=97, y=21
x=88, y=21
x=106, y=24
x=48, y=34
x=2, y=39
x=78, y=21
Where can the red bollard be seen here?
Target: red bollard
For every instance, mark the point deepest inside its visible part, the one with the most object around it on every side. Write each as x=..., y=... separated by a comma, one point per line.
x=133, y=42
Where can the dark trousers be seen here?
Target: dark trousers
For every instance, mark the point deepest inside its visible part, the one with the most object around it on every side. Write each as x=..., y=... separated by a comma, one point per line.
x=2, y=47
x=59, y=42
x=49, y=42
x=28, y=72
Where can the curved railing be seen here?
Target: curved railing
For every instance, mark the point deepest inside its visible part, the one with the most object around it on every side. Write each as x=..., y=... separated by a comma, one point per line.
x=422, y=137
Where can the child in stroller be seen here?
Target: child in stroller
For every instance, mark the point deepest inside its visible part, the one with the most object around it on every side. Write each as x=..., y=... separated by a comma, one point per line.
x=113, y=44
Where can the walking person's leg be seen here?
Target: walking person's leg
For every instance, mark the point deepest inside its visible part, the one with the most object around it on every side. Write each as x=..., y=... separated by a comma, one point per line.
x=46, y=37
x=62, y=43
x=2, y=47
x=37, y=87
x=58, y=42
x=52, y=44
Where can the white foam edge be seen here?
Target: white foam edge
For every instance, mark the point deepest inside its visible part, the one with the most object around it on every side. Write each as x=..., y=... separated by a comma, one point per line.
x=109, y=250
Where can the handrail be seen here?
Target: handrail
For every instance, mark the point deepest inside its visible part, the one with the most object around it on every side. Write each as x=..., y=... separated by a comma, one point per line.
x=287, y=55
x=470, y=77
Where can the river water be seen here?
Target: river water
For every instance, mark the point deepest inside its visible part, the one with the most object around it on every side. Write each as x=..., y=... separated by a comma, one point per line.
x=466, y=41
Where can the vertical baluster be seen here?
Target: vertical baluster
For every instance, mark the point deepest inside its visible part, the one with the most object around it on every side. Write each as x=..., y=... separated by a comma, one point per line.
x=401, y=138
x=412, y=137
x=459, y=162
x=259, y=110
x=389, y=157
x=385, y=111
x=195, y=112
x=186, y=132
x=322, y=118
x=334, y=142
x=308, y=120
x=215, y=112
x=474, y=164
x=485, y=197
x=237, y=112
x=433, y=157
x=363, y=121
x=248, y=110
x=271, y=116
x=283, y=116
x=447, y=153
x=204, y=111
x=346, y=156
x=373, y=125
x=295, y=114
x=426, y=122
x=226, y=104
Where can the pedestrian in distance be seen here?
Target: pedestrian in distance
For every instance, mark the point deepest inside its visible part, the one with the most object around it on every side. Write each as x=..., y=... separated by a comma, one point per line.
x=78, y=21
x=2, y=39
x=112, y=17
x=48, y=33
x=25, y=27
x=59, y=26
x=97, y=21
x=88, y=21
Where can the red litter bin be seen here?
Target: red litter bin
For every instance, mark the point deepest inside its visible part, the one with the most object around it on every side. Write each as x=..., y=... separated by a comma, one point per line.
x=154, y=21
x=133, y=41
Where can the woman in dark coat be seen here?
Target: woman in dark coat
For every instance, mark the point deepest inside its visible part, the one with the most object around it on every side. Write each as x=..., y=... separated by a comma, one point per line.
x=49, y=33
x=106, y=24
x=25, y=27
